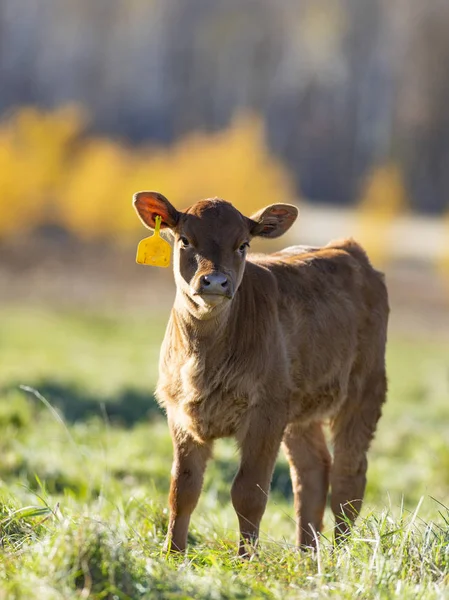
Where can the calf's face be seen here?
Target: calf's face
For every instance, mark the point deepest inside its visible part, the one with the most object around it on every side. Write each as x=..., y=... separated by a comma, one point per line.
x=211, y=239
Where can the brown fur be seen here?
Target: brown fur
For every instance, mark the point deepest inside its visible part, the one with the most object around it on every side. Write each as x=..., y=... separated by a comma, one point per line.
x=300, y=340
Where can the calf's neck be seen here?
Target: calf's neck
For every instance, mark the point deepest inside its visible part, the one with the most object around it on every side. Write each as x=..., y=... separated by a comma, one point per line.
x=265, y=349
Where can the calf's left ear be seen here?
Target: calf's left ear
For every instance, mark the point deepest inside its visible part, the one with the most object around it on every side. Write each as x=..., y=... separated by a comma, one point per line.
x=150, y=205
x=273, y=221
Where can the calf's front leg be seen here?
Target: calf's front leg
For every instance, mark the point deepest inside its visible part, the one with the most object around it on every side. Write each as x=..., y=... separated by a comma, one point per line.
x=249, y=493
x=189, y=463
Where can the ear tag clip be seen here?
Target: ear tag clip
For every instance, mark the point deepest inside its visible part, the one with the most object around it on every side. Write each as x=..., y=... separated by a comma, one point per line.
x=154, y=250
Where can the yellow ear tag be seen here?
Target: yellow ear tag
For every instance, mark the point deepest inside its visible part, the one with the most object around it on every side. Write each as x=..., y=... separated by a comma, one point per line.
x=154, y=250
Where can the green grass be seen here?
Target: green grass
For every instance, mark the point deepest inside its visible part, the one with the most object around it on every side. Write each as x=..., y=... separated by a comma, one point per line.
x=83, y=497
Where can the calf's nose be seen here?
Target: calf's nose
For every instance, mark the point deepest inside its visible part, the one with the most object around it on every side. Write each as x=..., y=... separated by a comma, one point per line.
x=215, y=283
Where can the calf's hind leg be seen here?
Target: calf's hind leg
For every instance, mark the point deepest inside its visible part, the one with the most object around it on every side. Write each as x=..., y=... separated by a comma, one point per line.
x=353, y=430
x=309, y=459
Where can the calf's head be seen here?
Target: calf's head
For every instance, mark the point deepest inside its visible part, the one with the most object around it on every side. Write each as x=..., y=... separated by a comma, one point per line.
x=210, y=242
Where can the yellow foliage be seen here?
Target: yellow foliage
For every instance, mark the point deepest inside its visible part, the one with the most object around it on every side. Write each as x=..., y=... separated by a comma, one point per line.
x=33, y=148
x=52, y=172
x=383, y=199
x=89, y=201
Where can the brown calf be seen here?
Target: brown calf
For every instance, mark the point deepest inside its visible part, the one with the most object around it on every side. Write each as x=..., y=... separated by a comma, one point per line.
x=264, y=348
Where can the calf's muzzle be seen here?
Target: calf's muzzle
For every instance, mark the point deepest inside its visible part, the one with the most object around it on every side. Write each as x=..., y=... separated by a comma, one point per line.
x=215, y=284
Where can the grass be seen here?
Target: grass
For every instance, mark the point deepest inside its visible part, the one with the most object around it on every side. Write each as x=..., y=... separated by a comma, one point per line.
x=83, y=492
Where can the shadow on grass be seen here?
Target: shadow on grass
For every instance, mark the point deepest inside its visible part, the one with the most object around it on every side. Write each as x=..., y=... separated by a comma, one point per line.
x=126, y=407
x=280, y=484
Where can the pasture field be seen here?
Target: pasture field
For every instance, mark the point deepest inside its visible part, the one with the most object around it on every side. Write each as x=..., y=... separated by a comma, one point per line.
x=84, y=475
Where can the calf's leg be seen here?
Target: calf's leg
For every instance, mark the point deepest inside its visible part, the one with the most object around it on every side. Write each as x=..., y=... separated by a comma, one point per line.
x=309, y=459
x=250, y=488
x=353, y=430
x=189, y=464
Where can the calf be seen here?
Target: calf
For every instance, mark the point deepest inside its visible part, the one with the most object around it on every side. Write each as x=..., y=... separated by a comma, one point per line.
x=264, y=348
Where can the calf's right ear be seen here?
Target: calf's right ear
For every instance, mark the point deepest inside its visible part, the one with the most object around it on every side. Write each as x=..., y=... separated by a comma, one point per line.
x=150, y=205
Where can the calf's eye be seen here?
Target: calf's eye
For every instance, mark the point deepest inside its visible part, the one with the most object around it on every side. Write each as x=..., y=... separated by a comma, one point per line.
x=184, y=241
x=243, y=247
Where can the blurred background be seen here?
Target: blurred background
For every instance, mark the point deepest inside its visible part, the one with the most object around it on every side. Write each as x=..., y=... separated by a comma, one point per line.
x=340, y=106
